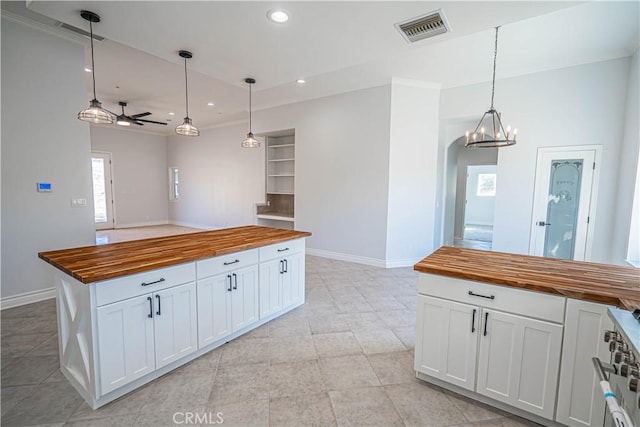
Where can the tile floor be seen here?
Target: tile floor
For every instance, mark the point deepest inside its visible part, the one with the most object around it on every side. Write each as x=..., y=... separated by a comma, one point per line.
x=344, y=358
x=104, y=237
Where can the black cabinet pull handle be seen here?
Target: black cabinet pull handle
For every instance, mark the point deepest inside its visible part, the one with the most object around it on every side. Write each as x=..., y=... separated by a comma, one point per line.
x=473, y=294
x=283, y=250
x=229, y=277
x=235, y=281
x=150, y=315
x=286, y=266
x=473, y=321
x=486, y=318
x=152, y=283
x=158, y=312
x=232, y=262
x=281, y=266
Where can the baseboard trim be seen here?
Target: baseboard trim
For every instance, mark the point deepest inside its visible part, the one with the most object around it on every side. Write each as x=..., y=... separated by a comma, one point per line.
x=347, y=257
x=140, y=224
x=27, y=298
x=397, y=263
x=192, y=225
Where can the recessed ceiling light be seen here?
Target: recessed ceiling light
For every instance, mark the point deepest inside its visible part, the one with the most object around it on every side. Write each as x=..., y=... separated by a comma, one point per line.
x=171, y=113
x=278, y=15
x=87, y=69
x=210, y=104
x=301, y=81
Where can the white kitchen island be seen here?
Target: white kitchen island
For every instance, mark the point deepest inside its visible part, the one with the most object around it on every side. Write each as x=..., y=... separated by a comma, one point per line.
x=130, y=312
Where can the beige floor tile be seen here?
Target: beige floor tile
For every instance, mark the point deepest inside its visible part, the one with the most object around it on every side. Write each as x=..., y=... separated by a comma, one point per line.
x=385, y=303
x=245, y=351
x=364, y=407
x=411, y=302
x=328, y=324
x=295, y=378
x=422, y=405
x=393, y=368
x=407, y=335
x=336, y=344
x=162, y=418
x=50, y=403
x=289, y=327
x=115, y=421
x=347, y=372
x=47, y=348
x=289, y=349
x=353, y=304
x=362, y=321
x=254, y=413
x=240, y=383
x=398, y=318
x=30, y=370
x=302, y=410
x=475, y=411
x=379, y=341
x=11, y=396
x=178, y=392
x=19, y=345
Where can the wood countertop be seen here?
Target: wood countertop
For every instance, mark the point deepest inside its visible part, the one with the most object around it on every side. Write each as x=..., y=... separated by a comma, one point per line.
x=604, y=283
x=95, y=263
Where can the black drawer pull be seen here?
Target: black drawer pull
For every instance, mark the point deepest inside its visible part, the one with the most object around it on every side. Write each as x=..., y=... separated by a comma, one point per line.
x=482, y=296
x=286, y=266
x=150, y=315
x=229, y=277
x=486, y=320
x=232, y=262
x=152, y=283
x=282, y=250
x=473, y=321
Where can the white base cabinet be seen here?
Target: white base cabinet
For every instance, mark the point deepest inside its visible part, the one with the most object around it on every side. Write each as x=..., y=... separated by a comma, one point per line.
x=119, y=334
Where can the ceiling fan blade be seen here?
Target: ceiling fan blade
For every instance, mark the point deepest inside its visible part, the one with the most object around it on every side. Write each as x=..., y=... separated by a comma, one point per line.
x=141, y=115
x=151, y=121
x=137, y=122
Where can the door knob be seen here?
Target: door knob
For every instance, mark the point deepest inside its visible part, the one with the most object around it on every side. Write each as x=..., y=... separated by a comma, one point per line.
x=542, y=223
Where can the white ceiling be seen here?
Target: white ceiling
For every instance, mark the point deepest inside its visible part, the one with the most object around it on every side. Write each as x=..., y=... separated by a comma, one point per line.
x=335, y=46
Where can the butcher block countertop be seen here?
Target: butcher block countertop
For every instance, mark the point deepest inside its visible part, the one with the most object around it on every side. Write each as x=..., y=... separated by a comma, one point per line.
x=95, y=263
x=604, y=283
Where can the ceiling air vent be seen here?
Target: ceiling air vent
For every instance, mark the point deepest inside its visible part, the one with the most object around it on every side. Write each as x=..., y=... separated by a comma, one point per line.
x=79, y=31
x=423, y=27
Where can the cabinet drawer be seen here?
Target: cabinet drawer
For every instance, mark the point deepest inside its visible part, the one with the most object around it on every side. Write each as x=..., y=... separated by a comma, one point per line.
x=512, y=300
x=224, y=263
x=125, y=287
x=281, y=249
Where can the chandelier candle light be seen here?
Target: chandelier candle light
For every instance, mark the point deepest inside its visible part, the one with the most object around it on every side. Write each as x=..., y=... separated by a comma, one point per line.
x=490, y=121
x=250, y=141
x=95, y=113
x=186, y=128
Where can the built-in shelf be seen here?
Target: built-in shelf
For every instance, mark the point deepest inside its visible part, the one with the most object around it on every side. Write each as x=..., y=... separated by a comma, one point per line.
x=281, y=145
x=280, y=171
x=280, y=192
x=282, y=174
x=281, y=160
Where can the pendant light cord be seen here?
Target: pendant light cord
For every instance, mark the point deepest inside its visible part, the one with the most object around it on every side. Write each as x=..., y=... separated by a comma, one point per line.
x=186, y=87
x=495, y=58
x=250, y=107
x=93, y=65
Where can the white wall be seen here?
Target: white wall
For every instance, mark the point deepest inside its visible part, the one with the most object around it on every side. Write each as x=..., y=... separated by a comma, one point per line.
x=412, y=172
x=342, y=169
x=479, y=210
x=42, y=140
x=628, y=168
x=580, y=105
x=220, y=182
x=140, y=174
x=467, y=157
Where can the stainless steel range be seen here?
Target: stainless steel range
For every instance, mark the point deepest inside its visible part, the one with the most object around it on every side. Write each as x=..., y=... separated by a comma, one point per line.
x=622, y=390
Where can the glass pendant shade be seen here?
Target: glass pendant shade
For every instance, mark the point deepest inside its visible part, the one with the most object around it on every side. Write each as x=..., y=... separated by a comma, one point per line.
x=187, y=128
x=96, y=114
x=250, y=141
x=489, y=133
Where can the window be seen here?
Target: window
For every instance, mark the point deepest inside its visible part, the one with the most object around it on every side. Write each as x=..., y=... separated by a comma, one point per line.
x=486, y=185
x=174, y=191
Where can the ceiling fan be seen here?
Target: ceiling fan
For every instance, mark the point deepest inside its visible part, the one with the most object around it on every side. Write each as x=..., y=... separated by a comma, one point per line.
x=124, y=120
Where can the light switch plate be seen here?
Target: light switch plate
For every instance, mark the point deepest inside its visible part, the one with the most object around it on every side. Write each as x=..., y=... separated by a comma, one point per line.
x=78, y=203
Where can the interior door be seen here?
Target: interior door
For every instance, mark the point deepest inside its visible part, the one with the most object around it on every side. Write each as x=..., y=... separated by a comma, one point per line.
x=102, y=190
x=564, y=195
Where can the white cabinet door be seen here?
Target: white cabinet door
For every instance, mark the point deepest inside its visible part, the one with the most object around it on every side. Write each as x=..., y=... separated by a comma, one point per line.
x=580, y=400
x=519, y=361
x=270, y=287
x=292, y=281
x=447, y=340
x=175, y=322
x=125, y=342
x=214, y=308
x=244, y=297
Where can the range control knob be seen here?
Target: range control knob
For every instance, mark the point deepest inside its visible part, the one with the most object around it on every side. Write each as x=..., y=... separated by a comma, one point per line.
x=613, y=345
x=618, y=357
x=634, y=385
x=609, y=335
x=629, y=370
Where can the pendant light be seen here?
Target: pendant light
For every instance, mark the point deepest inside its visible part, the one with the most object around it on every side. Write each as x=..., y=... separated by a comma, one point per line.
x=490, y=133
x=186, y=128
x=250, y=141
x=95, y=113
